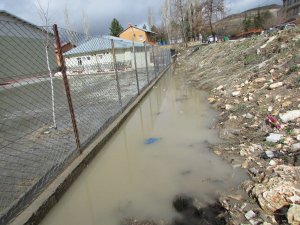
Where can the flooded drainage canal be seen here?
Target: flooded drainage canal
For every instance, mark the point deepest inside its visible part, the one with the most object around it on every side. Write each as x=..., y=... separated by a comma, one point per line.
x=159, y=152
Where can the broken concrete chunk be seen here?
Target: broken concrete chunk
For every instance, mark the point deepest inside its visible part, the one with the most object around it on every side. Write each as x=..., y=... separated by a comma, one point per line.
x=270, y=108
x=254, y=171
x=211, y=100
x=276, y=85
x=250, y=215
x=260, y=80
x=228, y=107
x=249, y=116
x=295, y=147
x=236, y=93
x=289, y=116
x=274, y=137
x=221, y=87
x=286, y=104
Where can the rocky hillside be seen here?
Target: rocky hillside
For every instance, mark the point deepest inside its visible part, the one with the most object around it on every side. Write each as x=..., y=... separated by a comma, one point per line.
x=255, y=85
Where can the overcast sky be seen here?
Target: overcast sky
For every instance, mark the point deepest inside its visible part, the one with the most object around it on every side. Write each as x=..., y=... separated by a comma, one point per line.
x=101, y=12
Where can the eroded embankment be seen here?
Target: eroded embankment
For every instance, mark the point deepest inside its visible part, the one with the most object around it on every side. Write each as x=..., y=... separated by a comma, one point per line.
x=254, y=83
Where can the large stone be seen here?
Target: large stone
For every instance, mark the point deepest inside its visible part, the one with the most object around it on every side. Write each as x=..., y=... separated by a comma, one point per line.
x=289, y=115
x=276, y=85
x=295, y=147
x=293, y=215
x=280, y=190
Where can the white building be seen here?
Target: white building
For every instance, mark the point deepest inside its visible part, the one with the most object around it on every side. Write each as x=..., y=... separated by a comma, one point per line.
x=23, y=46
x=95, y=56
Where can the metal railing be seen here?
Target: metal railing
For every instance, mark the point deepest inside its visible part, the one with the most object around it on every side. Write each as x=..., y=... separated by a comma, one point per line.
x=58, y=90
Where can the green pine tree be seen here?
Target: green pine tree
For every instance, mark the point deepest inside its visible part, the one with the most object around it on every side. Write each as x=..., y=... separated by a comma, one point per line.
x=115, y=28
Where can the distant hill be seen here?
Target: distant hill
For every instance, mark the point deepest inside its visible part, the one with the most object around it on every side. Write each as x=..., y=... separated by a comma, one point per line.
x=233, y=23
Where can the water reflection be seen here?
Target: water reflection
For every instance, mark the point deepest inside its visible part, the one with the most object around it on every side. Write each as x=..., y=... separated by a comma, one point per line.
x=129, y=179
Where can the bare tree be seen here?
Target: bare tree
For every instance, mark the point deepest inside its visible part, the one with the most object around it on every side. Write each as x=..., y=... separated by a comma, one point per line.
x=86, y=27
x=213, y=10
x=150, y=17
x=166, y=19
x=44, y=16
x=68, y=25
x=178, y=16
x=197, y=22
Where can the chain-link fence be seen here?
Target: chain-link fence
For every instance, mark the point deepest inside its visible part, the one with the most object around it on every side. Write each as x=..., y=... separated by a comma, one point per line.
x=58, y=90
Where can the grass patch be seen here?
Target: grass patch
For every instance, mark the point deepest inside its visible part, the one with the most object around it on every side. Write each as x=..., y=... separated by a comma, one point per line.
x=289, y=131
x=249, y=59
x=293, y=68
x=239, y=108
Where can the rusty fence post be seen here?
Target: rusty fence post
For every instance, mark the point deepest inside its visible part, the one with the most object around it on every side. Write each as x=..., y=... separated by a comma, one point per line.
x=159, y=60
x=146, y=58
x=116, y=71
x=135, y=66
x=66, y=84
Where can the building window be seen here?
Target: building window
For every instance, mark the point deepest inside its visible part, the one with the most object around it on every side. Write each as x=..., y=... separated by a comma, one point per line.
x=141, y=37
x=79, y=62
x=88, y=58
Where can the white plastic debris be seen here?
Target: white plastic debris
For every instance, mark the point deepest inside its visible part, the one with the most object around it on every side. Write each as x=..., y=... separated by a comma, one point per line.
x=274, y=137
x=270, y=154
x=289, y=115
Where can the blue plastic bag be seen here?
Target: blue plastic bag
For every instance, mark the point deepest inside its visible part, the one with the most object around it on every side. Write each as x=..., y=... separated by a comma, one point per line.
x=151, y=141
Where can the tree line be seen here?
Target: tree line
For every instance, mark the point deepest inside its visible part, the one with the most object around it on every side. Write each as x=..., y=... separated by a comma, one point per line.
x=184, y=20
x=181, y=20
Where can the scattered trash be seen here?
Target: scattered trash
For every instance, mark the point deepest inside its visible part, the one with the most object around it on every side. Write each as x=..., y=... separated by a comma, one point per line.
x=273, y=121
x=151, y=140
x=274, y=137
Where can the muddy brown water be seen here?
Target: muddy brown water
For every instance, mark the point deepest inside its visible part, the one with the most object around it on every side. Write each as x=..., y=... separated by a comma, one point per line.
x=131, y=179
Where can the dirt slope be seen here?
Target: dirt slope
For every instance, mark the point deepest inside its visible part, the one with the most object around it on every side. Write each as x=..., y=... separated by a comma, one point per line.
x=255, y=85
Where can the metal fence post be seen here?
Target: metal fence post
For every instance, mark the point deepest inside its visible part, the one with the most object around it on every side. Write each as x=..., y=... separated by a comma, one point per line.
x=163, y=58
x=136, y=73
x=116, y=71
x=158, y=59
x=66, y=84
x=146, y=58
x=154, y=64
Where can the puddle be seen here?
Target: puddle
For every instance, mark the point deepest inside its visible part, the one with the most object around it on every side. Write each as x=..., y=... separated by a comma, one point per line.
x=131, y=179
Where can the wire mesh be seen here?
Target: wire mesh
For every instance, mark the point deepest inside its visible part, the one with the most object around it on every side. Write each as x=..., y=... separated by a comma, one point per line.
x=37, y=139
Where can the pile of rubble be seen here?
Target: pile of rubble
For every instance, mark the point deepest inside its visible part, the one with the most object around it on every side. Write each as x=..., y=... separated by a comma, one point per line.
x=255, y=85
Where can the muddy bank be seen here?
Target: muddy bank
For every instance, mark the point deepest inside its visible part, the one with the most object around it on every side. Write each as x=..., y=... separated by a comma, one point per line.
x=254, y=84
